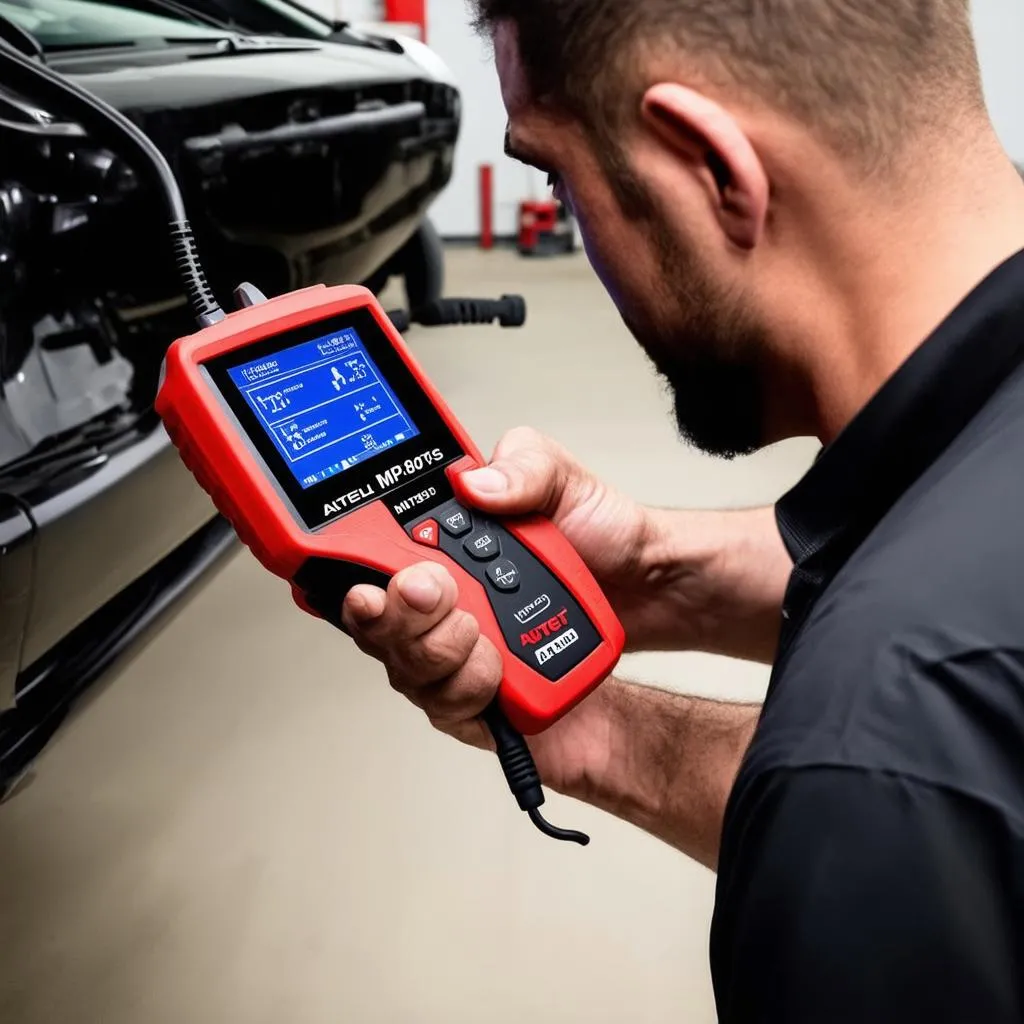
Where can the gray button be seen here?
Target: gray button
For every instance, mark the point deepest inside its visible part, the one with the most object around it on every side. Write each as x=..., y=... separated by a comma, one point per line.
x=483, y=546
x=504, y=576
x=456, y=522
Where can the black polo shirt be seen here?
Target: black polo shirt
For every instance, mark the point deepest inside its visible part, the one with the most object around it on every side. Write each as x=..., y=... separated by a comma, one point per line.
x=872, y=862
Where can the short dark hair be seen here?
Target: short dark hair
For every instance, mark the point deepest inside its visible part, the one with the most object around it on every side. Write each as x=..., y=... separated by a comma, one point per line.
x=864, y=73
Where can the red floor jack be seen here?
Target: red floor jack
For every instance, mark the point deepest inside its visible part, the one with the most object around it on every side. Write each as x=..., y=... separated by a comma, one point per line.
x=546, y=228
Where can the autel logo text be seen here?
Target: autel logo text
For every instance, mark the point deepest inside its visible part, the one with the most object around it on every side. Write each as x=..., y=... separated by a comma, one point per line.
x=553, y=625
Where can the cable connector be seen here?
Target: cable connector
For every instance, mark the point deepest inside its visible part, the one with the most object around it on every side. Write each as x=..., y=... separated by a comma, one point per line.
x=200, y=295
x=522, y=776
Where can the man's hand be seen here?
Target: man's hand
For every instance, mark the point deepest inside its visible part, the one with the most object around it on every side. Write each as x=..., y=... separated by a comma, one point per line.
x=674, y=578
x=436, y=657
x=663, y=762
x=435, y=654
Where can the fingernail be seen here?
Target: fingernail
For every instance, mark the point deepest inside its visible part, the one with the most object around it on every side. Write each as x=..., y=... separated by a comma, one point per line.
x=420, y=591
x=486, y=481
x=367, y=606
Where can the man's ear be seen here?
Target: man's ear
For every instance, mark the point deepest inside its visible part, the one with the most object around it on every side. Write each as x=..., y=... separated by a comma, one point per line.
x=707, y=135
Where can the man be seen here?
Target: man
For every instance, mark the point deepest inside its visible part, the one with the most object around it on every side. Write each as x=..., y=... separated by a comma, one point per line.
x=804, y=215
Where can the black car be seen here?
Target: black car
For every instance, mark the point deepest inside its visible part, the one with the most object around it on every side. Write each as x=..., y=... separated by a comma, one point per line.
x=279, y=18
x=301, y=162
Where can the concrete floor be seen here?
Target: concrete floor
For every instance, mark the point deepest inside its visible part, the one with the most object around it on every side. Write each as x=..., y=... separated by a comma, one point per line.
x=244, y=825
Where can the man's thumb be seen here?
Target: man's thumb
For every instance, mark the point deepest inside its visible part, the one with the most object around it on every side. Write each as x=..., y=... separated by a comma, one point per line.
x=519, y=483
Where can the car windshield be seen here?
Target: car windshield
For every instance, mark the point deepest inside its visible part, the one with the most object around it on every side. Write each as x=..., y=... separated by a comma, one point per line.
x=83, y=24
x=267, y=16
x=302, y=17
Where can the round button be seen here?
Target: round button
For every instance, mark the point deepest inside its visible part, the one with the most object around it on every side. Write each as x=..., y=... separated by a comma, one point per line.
x=456, y=522
x=504, y=576
x=483, y=546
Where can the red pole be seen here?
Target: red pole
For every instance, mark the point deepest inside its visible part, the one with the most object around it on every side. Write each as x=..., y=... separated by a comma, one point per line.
x=486, y=206
x=409, y=12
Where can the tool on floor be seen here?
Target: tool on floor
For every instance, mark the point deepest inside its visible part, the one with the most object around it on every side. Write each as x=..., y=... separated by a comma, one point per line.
x=546, y=228
x=508, y=311
x=316, y=433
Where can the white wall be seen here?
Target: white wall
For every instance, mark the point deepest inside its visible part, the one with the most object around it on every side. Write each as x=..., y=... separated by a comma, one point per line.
x=352, y=10
x=999, y=26
x=328, y=7
x=456, y=213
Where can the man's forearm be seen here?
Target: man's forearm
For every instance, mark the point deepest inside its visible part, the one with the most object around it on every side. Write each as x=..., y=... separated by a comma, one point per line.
x=716, y=583
x=667, y=763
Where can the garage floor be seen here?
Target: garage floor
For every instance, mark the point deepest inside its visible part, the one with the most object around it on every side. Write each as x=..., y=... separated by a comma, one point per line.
x=244, y=824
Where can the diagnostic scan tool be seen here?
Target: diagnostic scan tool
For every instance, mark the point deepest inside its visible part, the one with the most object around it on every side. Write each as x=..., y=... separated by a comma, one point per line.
x=318, y=436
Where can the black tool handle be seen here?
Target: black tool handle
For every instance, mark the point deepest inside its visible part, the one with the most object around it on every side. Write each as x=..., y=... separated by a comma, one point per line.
x=508, y=311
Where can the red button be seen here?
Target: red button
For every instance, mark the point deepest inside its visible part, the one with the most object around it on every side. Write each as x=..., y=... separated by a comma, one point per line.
x=426, y=533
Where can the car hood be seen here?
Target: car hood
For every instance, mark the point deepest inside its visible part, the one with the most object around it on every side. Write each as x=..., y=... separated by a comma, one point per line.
x=185, y=76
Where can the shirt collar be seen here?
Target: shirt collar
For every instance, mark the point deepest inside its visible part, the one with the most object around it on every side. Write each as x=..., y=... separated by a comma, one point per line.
x=906, y=426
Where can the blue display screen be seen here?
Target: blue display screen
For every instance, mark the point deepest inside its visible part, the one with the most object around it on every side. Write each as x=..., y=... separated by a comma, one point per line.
x=325, y=405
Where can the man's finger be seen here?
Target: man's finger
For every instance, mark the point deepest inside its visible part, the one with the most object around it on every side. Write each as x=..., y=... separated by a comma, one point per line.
x=467, y=693
x=417, y=599
x=529, y=473
x=435, y=656
x=472, y=732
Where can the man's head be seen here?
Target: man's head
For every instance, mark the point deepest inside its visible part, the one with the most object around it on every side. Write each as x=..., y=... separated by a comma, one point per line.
x=697, y=139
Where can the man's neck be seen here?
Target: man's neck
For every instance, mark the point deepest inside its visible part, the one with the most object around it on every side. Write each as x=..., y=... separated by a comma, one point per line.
x=890, y=276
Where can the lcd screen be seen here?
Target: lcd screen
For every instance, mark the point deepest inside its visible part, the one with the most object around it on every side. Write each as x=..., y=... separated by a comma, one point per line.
x=325, y=405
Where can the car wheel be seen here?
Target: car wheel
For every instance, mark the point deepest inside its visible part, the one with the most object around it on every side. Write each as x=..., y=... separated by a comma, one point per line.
x=379, y=281
x=421, y=263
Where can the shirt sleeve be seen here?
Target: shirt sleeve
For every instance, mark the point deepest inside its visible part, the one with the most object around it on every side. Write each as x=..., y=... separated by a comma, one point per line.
x=852, y=896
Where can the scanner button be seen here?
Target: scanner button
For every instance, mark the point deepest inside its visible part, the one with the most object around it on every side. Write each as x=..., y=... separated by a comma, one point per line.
x=426, y=533
x=456, y=522
x=504, y=576
x=483, y=546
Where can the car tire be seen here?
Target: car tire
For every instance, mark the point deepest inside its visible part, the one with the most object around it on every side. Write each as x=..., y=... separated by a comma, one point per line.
x=379, y=281
x=421, y=263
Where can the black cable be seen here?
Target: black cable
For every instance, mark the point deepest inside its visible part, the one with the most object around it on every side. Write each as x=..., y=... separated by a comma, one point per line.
x=522, y=775
x=565, y=834
x=112, y=128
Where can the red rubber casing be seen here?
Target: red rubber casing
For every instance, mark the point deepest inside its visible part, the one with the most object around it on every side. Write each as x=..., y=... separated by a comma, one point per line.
x=210, y=446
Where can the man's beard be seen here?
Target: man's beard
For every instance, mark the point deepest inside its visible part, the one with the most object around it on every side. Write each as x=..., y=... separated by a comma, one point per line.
x=706, y=351
x=717, y=405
